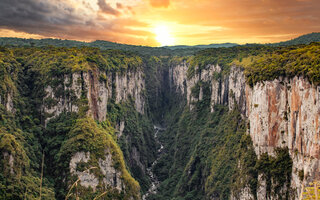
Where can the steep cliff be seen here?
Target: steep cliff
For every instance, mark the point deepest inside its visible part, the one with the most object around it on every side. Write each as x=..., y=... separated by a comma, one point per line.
x=280, y=114
x=63, y=90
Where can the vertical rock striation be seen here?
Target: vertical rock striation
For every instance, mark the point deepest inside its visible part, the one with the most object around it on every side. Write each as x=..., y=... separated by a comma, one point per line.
x=94, y=89
x=285, y=113
x=280, y=113
x=98, y=91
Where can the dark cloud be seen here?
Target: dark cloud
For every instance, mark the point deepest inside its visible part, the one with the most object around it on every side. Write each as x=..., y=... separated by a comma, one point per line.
x=160, y=3
x=34, y=16
x=106, y=8
x=61, y=19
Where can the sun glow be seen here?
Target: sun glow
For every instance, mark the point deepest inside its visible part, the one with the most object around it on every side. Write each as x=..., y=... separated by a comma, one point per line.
x=163, y=35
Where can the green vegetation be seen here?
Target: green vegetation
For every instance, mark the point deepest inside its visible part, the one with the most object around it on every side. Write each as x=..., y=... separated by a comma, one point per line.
x=286, y=62
x=180, y=50
x=25, y=133
x=261, y=63
x=219, y=160
x=86, y=136
x=157, y=87
x=69, y=135
x=223, y=57
x=54, y=61
x=206, y=155
x=304, y=39
x=103, y=45
x=20, y=177
x=277, y=172
x=205, y=165
x=136, y=139
x=19, y=144
x=209, y=155
x=201, y=152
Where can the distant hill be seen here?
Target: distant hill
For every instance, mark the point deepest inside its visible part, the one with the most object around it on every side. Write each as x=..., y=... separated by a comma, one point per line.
x=181, y=50
x=304, y=39
x=202, y=46
x=104, y=45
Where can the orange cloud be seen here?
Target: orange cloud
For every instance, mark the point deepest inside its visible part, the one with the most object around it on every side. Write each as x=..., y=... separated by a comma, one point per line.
x=133, y=21
x=12, y=33
x=160, y=3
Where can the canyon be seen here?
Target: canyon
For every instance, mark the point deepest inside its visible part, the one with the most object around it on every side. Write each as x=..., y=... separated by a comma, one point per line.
x=97, y=130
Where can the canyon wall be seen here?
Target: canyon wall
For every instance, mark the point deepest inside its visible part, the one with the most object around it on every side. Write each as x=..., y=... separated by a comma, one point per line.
x=98, y=87
x=279, y=113
x=91, y=91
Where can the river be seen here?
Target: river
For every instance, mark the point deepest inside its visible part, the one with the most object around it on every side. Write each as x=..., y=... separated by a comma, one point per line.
x=154, y=181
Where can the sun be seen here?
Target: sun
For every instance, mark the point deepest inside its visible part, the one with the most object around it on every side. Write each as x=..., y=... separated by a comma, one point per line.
x=163, y=35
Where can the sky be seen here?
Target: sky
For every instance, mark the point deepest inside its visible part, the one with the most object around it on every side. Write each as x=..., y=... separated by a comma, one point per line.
x=160, y=22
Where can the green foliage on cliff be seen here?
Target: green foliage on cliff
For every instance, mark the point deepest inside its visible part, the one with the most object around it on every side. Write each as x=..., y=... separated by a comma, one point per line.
x=261, y=63
x=8, y=73
x=136, y=140
x=20, y=149
x=53, y=61
x=25, y=73
x=202, y=152
x=286, y=62
x=222, y=57
x=277, y=172
x=19, y=166
x=86, y=136
x=157, y=87
x=210, y=155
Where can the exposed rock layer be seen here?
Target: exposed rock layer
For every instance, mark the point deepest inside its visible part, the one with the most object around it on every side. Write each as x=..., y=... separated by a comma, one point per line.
x=98, y=91
x=280, y=113
x=98, y=88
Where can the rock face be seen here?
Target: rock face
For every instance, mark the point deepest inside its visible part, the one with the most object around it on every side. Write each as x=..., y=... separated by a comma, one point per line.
x=111, y=177
x=280, y=113
x=98, y=87
x=86, y=178
x=10, y=162
x=225, y=91
x=285, y=113
x=131, y=84
x=7, y=102
x=59, y=103
x=178, y=77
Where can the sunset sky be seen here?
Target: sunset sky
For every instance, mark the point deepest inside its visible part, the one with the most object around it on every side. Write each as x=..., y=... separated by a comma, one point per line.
x=160, y=22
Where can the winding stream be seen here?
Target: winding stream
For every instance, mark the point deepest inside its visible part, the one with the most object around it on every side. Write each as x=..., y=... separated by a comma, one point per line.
x=154, y=181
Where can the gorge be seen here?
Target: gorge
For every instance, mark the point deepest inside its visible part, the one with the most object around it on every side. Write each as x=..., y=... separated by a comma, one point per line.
x=240, y=123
